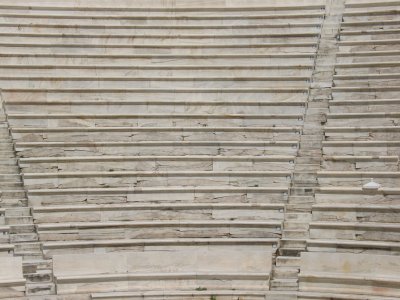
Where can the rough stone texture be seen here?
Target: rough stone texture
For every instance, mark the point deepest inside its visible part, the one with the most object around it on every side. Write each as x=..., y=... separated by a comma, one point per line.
x=220, y=146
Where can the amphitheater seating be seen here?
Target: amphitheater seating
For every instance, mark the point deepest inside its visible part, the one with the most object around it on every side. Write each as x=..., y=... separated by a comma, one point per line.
x=364, y=274
x=361, y=138
x=162, y=270
x=176, y=149
x=159, y=132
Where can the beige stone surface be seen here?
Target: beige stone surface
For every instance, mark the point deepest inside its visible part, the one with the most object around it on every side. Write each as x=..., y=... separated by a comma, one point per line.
x=350, y=273
x=176, y=145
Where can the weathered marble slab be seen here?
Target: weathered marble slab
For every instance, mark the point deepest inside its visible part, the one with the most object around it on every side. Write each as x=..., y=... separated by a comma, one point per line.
x=350, y=273
x=161, y=270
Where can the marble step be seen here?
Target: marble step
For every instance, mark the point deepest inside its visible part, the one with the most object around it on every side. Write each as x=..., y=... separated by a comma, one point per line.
x=23, y=237
x=292, y=225
x=19, y=220
x=46, y=288
x=288, y=261
x=22, y=228
x=34, y=265
x=295, y=233
x=196, y=58
x=285, y=273
x=291, y=251
x=298, y=217
x=41, y=276
x=284, y=284
x=70, y=247
x=155, y=195
x=25, y=49
x=18, y=212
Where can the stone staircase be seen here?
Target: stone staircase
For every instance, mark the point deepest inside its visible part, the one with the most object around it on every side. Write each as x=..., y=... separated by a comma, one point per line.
x=18, y=217
x=298, y=211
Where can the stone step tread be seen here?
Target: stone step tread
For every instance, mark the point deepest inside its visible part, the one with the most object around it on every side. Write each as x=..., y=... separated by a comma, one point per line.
x=46, y=288
x=22, y=228
x=285, y=280
x=284, y=284
x=207, y=294
x=40, y=276
x=166, y=241
x=18, y=211
x=20, y=238
x=295, y=251
x=295, y=230
x=18, y=220
x=341, y=296
x=295, y=225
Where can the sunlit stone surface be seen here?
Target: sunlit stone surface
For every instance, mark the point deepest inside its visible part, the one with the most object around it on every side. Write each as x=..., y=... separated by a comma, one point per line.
x=181, y=149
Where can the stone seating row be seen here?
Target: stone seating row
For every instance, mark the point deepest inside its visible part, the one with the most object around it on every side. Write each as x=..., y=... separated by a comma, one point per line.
x=367, y=56
x=337, y=276
x=357, y=178
x=175, y=71
x=368, y=45
x=156, y=179
x=188, y=211
x=169, y=5
x=361, y=163
x=150, y=148
x=154, y=83
x=245, y=223
x=370, y=33
x=124, y=40
x=347, y=133
x=360, y=93
x=193, y=16
x=367, y=68
x=289, y=27
x=157, y=163
x=369, y=4
x=143, y=54
x=371, y=14
x=355, y=26
x=364, y=106
x=126, y=12
x=180, y=270
x=344, y=212
x=369, y=80
x=159, y=120
x=159, y=61
x=226, y=294
x=362, y=119
x=83, y=231
x=348, y=273
x=160, y=8
x=361, y=148
x=348, y=219
x=382, y=38
x=216, y=94
x=32, y=106
x=51, y=248
x=137, y=134
x=129, y=195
